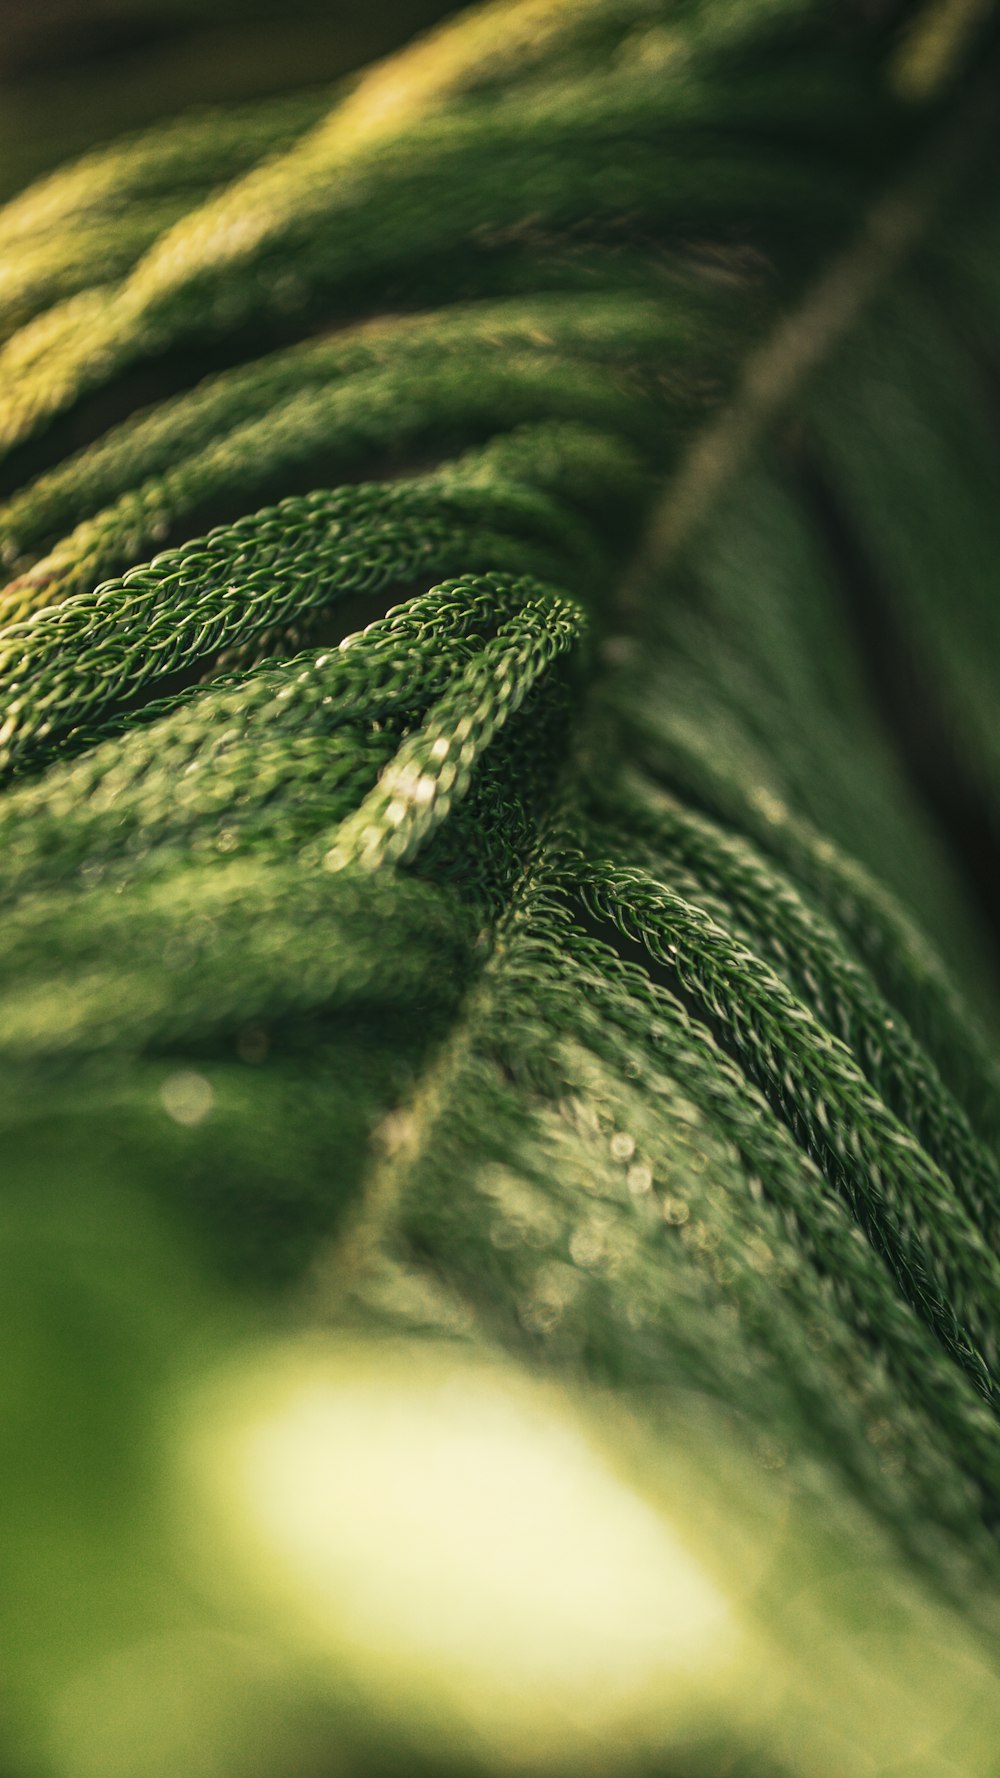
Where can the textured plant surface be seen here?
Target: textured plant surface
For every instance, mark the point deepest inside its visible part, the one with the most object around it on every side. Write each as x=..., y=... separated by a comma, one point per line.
x=500, y=791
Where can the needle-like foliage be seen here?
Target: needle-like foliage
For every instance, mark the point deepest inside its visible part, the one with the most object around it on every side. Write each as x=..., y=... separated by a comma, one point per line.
x=499, y=783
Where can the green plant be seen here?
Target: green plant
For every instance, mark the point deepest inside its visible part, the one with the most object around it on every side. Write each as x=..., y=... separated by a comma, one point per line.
x=479, y=891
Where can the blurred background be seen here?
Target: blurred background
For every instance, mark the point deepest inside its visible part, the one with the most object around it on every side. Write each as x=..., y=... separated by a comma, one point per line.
x=74, y=73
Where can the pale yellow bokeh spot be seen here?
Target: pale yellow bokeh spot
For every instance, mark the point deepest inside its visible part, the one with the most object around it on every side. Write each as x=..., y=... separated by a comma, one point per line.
x=461, y=1545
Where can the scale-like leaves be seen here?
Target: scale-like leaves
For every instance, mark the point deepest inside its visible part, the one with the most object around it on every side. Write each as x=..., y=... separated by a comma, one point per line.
x=499, y=899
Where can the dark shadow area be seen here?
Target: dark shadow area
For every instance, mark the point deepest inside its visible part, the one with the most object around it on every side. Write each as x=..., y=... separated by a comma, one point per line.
x=75, y=73
x=902, y=691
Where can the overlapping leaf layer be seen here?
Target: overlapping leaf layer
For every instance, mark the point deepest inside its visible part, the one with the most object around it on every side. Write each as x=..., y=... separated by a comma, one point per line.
x=500, y=773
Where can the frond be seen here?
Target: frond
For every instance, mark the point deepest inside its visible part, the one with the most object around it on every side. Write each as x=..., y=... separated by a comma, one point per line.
x=499, y=784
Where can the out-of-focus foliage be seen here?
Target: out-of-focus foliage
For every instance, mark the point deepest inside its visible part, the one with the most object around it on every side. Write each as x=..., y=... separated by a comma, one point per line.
x=499, y=803
x=74, y=73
